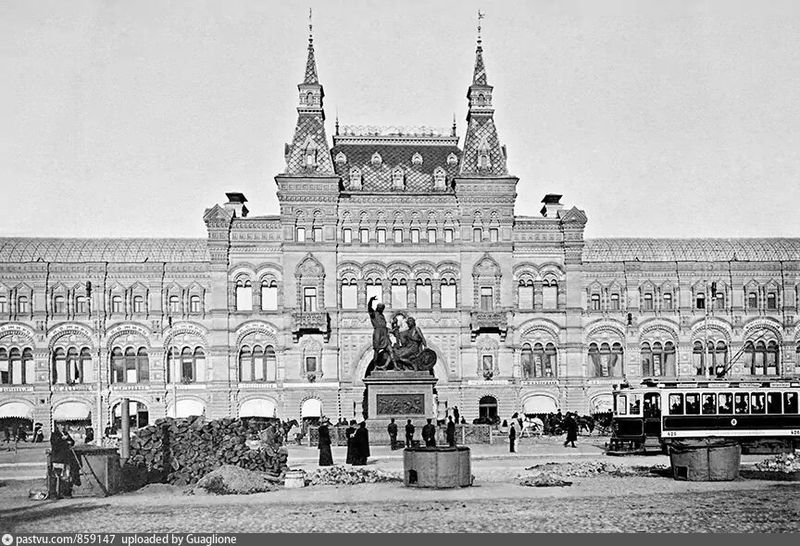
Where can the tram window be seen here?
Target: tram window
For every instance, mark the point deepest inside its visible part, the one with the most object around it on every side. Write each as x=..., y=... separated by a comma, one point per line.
x=757, y=402
x=709, y=404
x=725, y=403
x=652, y=405
x=692, y=404
x=622, y=404
x=790, y=402
x=635, y=404
x=774, y=402
x=676, y=404
x=741, y=403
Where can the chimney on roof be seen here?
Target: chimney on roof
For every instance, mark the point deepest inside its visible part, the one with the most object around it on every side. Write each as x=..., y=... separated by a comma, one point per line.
x=236, y=204
x=552, y=204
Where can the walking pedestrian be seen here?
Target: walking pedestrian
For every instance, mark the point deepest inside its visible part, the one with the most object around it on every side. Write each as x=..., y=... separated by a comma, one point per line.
x=7, y=438
x=361, y=443
x=429, y=434
x=512, y=439
x=392, y=428
x=571, y=424
x=324, y=443
x=450, y=433
x=410, y=434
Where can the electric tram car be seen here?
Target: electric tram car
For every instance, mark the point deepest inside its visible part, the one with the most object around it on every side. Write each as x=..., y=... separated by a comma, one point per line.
x=758, y=414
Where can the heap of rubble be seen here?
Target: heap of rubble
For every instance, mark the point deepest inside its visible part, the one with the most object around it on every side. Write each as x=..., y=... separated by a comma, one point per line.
x=784, y=463
x=342, y=475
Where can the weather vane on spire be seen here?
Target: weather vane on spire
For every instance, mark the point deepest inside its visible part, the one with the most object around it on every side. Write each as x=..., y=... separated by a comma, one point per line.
x=481, y=15
x=310, y=26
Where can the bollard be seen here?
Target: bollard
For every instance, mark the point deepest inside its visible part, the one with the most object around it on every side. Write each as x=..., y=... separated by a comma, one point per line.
x=125, y=446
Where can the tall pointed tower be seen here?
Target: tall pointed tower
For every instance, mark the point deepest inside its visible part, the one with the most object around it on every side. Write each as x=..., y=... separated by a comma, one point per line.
x=483, y=154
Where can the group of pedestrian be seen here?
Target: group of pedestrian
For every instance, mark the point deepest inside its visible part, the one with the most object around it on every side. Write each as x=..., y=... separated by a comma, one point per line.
x=357, y=443
x=12, y=437
x=568, y=422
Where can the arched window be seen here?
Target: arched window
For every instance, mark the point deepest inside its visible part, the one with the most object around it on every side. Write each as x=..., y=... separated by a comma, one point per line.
x=448, y=292
x=3, y=305
x=752, y=301
x=544, y=360
x=772, y=301
x=194, y=304
x=349, y=294
x=59, y=305
x=174, y=304
x=424, y=295
x=477, y=235
x=526, y=360
x=16, y=367
x=700, y=301
x=374, y=289
x=526, y=294
x=647, y=360
x=22, y=305
x=257, y=364
x=186, y=365
x=487, y=408
x=129, y=367
x=399, y=294
x=74, y=373
x=398, y=182
x=595, y=302
x=355, y=179
x=81, y=305
x=605, y=360
x=550, y=295
x=116, y=304
x=648, y=301
x=614, y=299
x=269, y=295
x=667, y=300
x=117, y=366
x=244, y=295
x=719, y=301
x=138, y=304
x=85, y=364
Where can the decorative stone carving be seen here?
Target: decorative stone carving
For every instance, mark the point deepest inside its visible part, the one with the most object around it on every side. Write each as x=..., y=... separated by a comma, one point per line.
x=400, y=404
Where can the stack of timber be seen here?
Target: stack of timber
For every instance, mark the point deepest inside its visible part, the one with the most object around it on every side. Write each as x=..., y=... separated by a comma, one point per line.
x=181, y=451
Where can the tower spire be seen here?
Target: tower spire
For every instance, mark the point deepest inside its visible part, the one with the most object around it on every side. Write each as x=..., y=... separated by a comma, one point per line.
x=311, y=64
x=479, y=75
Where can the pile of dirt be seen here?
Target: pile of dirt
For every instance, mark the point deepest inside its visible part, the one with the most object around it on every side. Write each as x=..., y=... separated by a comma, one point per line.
x=234, y=480
x=544, y=479
x=590, y=469
x=342, y=475
x=785, y=463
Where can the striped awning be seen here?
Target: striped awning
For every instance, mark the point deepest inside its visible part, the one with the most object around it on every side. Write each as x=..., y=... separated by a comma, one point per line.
x=16, y=409
x=257, y=407
x=72, y=411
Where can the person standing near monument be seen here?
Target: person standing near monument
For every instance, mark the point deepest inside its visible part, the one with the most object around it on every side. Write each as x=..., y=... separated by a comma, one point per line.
x=451, y=432
x=410, y=434
x=392, y=428
x=361, y=444
x=351, y=448
x=512, y=438
x=429, y=434
x=381, y=344
x=324, y=443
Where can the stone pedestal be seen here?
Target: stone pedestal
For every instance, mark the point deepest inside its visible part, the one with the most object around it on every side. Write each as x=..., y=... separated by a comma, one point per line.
x=402, y=395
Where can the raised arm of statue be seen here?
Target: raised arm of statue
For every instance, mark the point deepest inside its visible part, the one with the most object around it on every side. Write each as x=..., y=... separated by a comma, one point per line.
x=370, y=310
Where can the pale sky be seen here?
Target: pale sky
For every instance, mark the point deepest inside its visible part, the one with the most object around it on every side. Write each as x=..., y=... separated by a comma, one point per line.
x=663, y=119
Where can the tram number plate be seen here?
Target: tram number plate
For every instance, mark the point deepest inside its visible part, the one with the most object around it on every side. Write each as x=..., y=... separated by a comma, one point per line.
x=794, y=432
x=669, y=433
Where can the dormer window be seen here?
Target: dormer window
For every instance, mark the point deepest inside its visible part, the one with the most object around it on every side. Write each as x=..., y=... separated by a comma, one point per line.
x=376, y=159
x=483, y=161
x=341, y=158
x=397, y=179
x=310, y=98
x=416, y=159
x=310, y=155
x=439, y=178
x=452, y=159
x=355, y=179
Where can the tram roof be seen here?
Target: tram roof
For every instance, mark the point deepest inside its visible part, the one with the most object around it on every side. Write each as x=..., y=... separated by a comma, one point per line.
x=650, y=383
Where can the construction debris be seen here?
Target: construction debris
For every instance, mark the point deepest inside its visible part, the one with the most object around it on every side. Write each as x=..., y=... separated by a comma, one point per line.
x=544, y=479
x=788, y=463
x=342, y=475
x=233, y=480
x=552, y=472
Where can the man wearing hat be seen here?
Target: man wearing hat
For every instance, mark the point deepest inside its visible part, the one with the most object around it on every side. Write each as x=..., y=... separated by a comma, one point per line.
x=324, y=444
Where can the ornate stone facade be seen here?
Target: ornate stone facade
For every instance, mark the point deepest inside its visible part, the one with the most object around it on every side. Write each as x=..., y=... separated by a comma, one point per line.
x=267, y=314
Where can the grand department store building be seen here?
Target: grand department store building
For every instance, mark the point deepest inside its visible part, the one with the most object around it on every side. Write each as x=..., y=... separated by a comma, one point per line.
x=266, y=316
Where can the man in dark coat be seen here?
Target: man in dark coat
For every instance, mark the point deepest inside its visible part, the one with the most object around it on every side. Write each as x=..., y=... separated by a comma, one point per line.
x=361, y=443
x=324, y=443
x=456, y=414
x=61, y=454
x=392, y=428
x=409, y=434
x=451, y=432
x=351, y=449
x=571, y=424
x=429, y=434
x=380, y=336
x=512, y=438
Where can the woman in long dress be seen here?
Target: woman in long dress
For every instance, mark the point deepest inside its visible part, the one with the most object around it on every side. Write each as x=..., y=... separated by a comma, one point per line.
x=324, y=444
x=351, y=450
x=361, y=443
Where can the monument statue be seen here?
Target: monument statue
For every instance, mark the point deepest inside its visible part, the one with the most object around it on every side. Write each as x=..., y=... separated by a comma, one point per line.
x=403, y=348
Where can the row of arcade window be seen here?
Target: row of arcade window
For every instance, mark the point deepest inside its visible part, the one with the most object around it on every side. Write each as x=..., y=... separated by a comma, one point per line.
x=538, y=360
x=244, y=295
x=526, y=294
x=116, y=305
x=431, y=236
x=667, y=301
x=727, y=403
x=398, y=293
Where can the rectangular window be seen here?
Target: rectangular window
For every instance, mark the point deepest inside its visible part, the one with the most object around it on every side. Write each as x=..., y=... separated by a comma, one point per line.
x=709, y=404
x=363, y=235
x=398, y=236
x=622, y=404
x=526, y=297
x=634, y=405
x=667, y=301
x=317, y=234
x=375, y=290
x=477, y=235
x=448, y=292
x=700, y=301
x=615, y=302
x=311, y=364
x=725, y=403
x=757, y=403
x=349, y=296
x=309, y=299
x=494, y=235
x=301, y=235
x=676, y=404
x=790, y=402
x=692, y=404
x=550, y=297
x=59, y=305
x=269, y=297
x=448, y=236
x=487, y=298
x=194, y=304
x=399, y=296
x=381, y=233
x=244, y=298
x=415, y=236
x=347, y=236
x=648, y=302
x=423, y=296
x=488, y=363
x=22, y=305
x=774, y=403
x=431, y=236
x=82, y=308
x=3, y=305
x=772, y=301
x=741, y=403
